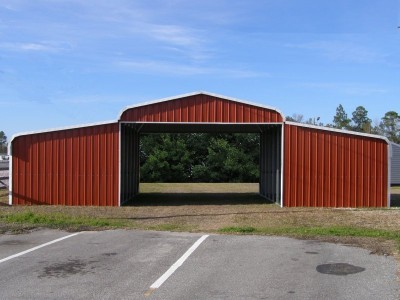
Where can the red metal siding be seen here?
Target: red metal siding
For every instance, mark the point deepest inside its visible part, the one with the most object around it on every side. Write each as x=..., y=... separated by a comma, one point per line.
x=331, y=169
x=201, y=108
x=67, y=167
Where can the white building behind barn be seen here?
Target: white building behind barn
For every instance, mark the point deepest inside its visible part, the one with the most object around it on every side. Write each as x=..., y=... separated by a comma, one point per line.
x=395, y=165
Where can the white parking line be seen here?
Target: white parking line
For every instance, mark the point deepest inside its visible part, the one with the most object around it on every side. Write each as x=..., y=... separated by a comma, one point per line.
x=38, y=247
x=175, y=266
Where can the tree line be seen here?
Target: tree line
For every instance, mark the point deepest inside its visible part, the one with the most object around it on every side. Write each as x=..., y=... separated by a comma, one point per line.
x=199, y=157
x=388, y=125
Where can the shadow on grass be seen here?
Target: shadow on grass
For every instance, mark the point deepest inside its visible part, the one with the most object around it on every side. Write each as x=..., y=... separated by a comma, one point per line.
x=395, y=200
x=179, y=199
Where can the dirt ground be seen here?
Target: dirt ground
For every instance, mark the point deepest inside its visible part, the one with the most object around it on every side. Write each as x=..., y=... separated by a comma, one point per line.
x=208, y=208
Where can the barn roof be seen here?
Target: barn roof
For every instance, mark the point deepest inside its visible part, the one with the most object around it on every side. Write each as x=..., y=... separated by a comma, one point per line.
x=201, y=107
x=173, y=98
x=160, y=104
x=344, y=131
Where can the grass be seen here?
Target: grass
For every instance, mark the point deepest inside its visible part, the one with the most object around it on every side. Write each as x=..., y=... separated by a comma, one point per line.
x=316, y=231
x=202, y=208
x=238, y=229
x=58, y=220
x=200, y=187
x=364, y=237
x=172, y=227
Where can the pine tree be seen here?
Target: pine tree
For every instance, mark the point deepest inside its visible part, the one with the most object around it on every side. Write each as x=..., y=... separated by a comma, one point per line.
x=340, y=120
x=361, y=121
x=390, y=126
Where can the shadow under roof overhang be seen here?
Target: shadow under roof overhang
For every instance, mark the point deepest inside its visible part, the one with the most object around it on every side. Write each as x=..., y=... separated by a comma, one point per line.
x=202, y=127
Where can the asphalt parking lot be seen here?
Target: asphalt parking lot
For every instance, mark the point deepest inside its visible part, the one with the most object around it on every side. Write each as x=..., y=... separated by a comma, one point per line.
x=127, y=264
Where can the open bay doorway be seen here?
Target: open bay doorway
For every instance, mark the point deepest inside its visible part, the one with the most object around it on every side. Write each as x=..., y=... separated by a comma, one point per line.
x=183, y=164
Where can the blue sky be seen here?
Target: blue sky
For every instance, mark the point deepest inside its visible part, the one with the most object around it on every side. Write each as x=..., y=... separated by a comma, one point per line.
x=73, y=62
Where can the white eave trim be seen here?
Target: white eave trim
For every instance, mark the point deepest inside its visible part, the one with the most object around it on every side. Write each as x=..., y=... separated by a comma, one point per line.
x=119, y=163
x=390, y=156
x=200, y=93
x=374, y=136
x=62, y=128
x=10, y=174
x=200, y=123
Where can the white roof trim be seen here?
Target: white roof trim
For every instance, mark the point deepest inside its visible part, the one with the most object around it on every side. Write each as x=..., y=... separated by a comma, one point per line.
x=61, y=128
x=375, y=136
x=199, y=93
x=199, y=123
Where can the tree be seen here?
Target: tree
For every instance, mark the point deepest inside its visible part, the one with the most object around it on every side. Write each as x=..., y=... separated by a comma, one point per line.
x=340, y=120
x=3, y=142
x=314, y=121
x=200, y=157
x=390, y=126
x=296, y=118
x=230, y=158
x=361, y=121
x=165, y=159
x=375, y=127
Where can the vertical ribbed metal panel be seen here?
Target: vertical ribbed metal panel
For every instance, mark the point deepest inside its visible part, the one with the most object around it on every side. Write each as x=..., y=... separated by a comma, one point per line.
x=130, y=163
x=201, y=108
x=331, y=169
x=67, y=167
x=270, y=164
x=395, y=164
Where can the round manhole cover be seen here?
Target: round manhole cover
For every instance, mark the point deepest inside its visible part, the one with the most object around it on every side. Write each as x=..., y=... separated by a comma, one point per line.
x=340, y=269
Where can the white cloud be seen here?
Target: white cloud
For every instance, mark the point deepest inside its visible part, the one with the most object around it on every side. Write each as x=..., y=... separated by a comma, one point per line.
x=186, y=41
x=33, y=47
x=174, y=34
x=13, y=6
x=162, y=67
x=127, y=21
x=341, y=51
x=354, y=89
x=90, y=24
x=89, y=99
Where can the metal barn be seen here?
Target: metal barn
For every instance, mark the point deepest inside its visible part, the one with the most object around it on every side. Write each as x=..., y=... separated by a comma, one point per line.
x=300, y=165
